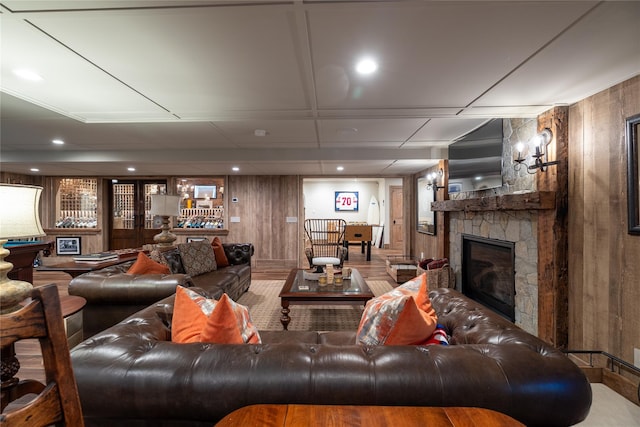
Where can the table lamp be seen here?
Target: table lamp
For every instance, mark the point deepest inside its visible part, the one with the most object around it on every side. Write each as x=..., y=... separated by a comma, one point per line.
x=165, y=206
x=19, y=219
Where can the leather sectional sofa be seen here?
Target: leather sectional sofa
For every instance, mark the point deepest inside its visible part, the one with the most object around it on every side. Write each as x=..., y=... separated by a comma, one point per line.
x=133, y=375
x=112, y=294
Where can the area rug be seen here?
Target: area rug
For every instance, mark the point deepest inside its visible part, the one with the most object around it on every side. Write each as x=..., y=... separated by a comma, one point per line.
x=264, y=308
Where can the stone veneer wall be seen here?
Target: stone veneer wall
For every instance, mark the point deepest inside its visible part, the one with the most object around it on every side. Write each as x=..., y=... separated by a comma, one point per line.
x=513, y=226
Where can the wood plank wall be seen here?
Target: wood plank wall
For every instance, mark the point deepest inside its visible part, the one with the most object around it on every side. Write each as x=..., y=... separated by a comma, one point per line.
x=264, y=203
x=604, y=267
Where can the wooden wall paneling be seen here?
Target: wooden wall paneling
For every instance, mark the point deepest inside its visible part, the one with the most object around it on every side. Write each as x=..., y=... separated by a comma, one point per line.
x=576, y=225
x=443, y=219
x=616, y=195
x=264, y=203
x=552, y=234
x=629, y=273
x=589, y=249
x=604, y=271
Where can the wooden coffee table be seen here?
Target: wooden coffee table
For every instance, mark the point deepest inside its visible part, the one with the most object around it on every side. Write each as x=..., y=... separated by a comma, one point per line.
x=297, y=290
x=369, y=416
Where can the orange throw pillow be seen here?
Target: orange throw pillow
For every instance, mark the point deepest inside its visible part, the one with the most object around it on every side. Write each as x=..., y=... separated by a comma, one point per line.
x=188, y=318
x=198, y=319
x=398, y=318
x=218, y=251
x=145, y=265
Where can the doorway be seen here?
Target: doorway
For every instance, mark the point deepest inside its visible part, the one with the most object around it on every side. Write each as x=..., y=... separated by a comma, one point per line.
x=131, y=223
x=396, y=235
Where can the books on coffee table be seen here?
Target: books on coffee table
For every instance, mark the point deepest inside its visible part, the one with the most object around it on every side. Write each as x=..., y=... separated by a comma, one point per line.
x=96, y=257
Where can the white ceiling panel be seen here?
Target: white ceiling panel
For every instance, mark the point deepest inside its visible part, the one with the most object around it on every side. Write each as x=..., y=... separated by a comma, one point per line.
x=419, y=46
x=445, y=129
x=70, y=85
x=204, y=60
x=368, y=130
x=579, y=62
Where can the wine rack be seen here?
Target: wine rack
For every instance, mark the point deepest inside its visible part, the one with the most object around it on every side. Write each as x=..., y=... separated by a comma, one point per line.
x=206, y=218
x=77, y=205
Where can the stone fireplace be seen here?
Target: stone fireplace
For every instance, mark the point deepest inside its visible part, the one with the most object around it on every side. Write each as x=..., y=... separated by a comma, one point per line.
x=488, y=273
x=518, y=228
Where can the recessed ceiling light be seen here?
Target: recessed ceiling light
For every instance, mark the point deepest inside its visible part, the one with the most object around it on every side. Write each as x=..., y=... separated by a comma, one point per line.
x=235, y=169
x=340, y=168
x=366, y=66
x=130, y=169
x=57, y=141
x=26, y=74
x=260, y=132
x=34, y=170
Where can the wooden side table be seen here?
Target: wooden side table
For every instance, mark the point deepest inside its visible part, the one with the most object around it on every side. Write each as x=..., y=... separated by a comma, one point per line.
x=369, y=416
x=72, y=313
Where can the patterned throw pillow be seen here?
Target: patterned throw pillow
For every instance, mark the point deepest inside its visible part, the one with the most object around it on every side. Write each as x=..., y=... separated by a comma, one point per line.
x=199, y=319
x=197, y=257
x=399, y=317
x=145, y=265
x=157, y=256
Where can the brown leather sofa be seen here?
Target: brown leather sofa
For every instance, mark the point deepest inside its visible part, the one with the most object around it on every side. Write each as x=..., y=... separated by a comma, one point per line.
x=133, y=375
x=112, y=295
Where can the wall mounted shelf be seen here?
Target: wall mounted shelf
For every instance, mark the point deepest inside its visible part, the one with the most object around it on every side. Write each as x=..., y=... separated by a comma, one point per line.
x=540, y=200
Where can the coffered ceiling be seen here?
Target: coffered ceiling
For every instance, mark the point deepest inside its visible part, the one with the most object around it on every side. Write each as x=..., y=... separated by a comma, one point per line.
x=187, y=87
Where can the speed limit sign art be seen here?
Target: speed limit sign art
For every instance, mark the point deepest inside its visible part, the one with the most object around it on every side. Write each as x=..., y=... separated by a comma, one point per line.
x=347, y=201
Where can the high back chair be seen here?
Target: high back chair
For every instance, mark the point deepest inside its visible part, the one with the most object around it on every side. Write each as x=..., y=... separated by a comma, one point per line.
x=326, y=242
x=57, y=401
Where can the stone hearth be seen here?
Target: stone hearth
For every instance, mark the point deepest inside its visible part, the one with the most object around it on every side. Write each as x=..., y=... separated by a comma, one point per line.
x=519, y=227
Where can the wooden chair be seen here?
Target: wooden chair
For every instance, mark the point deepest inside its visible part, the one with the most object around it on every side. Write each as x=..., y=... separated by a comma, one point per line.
x=326, y=242
x=56, y=401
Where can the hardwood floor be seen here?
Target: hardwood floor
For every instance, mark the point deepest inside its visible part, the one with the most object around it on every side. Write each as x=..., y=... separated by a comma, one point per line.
x=28, y=351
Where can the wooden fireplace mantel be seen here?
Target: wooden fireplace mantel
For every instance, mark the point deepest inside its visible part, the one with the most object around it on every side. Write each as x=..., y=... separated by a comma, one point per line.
x=539, y=200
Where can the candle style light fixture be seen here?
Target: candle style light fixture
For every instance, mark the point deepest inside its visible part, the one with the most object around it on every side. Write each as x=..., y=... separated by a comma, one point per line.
x=540, y=142
x=165, y=206
x=433, y=178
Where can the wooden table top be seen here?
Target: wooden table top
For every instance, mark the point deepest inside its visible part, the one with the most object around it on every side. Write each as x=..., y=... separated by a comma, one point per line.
x=71, y=304
x=353, y=289
x=75, y=268
x=369, y=416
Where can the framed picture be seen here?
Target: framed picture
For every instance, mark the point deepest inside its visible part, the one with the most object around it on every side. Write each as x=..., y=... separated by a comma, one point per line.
x=195, y=239
x=204, y=192
x=68, y=246
x=455, y=187
x=633, y=173
x=346, y=201
x=426, y=217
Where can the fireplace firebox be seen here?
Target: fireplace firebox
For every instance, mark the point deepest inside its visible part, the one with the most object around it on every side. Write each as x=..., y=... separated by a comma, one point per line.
x=488, y=273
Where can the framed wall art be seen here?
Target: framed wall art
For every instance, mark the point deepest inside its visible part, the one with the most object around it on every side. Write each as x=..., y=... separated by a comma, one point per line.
x=346, y=201
x=68, y=245
x=633, y=175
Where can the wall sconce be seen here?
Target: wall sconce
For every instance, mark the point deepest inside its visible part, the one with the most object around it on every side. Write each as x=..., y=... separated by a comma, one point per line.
x=433, y=178
x=540, y=142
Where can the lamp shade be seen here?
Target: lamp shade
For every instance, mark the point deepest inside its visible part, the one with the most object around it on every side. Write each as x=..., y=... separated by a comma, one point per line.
x=165, y=205
x=19, y=211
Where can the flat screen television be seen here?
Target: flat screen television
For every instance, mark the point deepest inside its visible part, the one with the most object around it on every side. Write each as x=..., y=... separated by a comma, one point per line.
x=475, y=160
